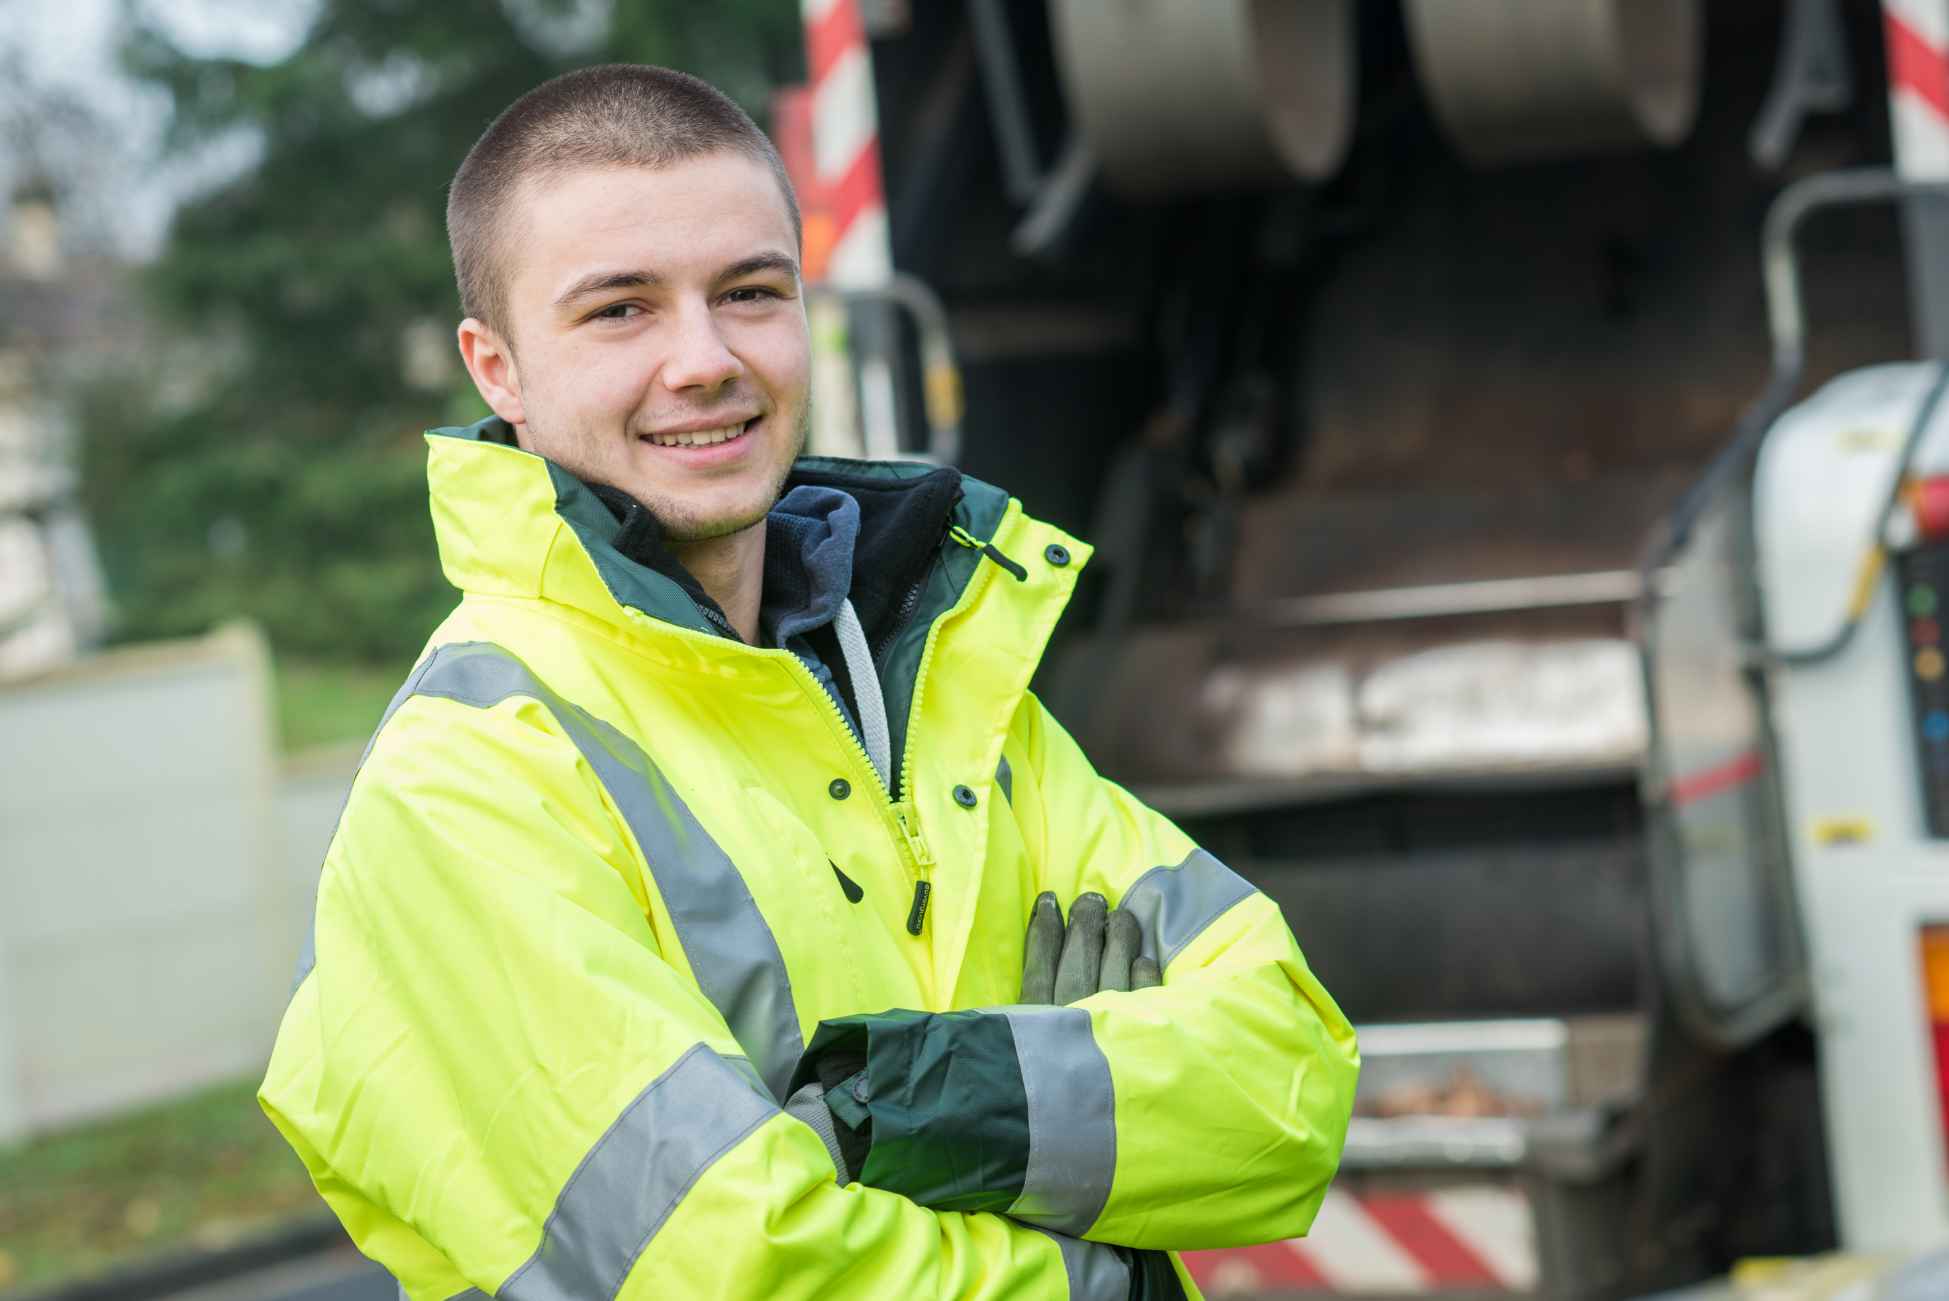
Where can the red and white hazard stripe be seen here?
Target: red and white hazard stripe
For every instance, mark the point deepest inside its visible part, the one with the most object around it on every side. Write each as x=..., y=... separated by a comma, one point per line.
x=1916, y=33
x=846, y=142
x=1476, y=1238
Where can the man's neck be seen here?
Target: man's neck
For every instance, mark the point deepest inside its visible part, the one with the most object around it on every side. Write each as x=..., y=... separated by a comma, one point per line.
x=731, y=570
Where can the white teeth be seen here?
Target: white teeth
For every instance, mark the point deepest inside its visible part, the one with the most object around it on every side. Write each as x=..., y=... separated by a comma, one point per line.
x=701, y=438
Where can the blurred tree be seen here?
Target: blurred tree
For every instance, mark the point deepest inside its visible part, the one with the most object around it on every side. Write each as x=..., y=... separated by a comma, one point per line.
x=268, y=462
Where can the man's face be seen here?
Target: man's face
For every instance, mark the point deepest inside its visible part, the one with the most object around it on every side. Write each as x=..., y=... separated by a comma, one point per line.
x=658, y=338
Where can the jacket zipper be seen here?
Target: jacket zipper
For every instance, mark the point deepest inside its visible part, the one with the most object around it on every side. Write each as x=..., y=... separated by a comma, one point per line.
x=903, y=615
x=905, y=817
x=923, y=862
x=904, y=812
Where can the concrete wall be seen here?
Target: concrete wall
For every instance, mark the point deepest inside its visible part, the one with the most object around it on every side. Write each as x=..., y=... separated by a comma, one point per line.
x=150, y=906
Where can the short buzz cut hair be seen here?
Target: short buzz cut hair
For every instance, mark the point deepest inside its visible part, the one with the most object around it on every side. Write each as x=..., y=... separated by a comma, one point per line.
x=613, y=115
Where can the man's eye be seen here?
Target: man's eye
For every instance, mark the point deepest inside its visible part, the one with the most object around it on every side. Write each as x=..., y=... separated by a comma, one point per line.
x=617, y=312
x=751, y=294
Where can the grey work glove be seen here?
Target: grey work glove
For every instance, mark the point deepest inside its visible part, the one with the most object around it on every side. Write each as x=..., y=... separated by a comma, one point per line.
x=1097, y=950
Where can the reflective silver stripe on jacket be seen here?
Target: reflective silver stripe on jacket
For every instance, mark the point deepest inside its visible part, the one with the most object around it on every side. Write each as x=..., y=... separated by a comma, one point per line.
x=1005, y=778
x=731, y=950
x=610, y=1209
x=1072, y=1106
x=612, y=1206
x=1173, y=905
x=1096, y=1272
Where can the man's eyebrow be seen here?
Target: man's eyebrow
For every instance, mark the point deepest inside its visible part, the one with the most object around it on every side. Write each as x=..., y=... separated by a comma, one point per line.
x=760, y=262
x=597, y=282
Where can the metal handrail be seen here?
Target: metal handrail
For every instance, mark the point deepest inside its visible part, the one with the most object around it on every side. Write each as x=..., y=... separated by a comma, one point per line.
x=941, y=393
x=1786, y=324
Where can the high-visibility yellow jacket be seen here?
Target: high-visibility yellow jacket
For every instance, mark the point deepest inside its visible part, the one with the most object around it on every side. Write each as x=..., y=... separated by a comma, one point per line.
x=584, y=911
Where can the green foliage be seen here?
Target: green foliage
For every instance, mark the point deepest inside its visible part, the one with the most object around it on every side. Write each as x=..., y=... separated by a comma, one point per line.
x=326, y=703
x=196, y=1171
x=270, y=464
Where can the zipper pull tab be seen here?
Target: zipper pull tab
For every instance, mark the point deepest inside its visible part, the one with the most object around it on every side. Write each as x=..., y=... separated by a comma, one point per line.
x=916, y=843
x=917, y=915
x=988, y=549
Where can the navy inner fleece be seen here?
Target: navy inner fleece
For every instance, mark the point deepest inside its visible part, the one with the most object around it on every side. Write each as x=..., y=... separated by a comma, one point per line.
x=810, y=537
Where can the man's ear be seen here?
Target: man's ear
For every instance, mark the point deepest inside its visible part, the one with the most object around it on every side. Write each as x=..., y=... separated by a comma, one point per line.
x=490, y=362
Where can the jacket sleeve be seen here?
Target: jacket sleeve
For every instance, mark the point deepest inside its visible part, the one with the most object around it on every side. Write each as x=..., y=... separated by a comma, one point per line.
x=1209, y=1111
x=503, y=1088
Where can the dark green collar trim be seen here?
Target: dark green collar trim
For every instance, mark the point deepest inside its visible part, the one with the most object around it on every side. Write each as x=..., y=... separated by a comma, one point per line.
x=630, y=582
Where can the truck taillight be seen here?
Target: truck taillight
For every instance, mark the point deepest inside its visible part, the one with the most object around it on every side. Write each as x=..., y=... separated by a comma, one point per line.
x=1928, y=499
x=1935, y=982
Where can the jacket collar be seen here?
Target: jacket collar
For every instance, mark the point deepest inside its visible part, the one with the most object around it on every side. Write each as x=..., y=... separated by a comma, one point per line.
x=513, y=523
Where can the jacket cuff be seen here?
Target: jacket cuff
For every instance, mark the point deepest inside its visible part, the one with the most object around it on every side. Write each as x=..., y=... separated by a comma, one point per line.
x=1008, y=1110
x=808, y=1106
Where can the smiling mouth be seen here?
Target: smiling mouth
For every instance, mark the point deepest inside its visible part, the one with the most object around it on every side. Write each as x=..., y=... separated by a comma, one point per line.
x=702, y=437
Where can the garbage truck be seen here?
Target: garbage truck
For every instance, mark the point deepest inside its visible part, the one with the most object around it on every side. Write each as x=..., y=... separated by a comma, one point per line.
x=1513, y=436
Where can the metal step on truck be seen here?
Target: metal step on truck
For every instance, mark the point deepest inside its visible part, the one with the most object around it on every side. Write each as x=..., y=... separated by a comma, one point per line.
x=1493, y=563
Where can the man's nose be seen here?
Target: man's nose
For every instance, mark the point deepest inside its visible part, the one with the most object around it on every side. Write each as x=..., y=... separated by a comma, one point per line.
x=698, y=357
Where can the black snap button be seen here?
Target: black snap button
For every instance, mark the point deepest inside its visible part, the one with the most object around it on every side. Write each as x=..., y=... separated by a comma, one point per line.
x=1056, y=554
x=964, y=797
x=840, y=788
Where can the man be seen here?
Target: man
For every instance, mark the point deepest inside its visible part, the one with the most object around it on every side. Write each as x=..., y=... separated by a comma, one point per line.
x=647, y=951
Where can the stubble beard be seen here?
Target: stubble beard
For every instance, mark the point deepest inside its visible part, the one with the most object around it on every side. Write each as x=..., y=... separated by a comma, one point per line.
x=679, y=528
